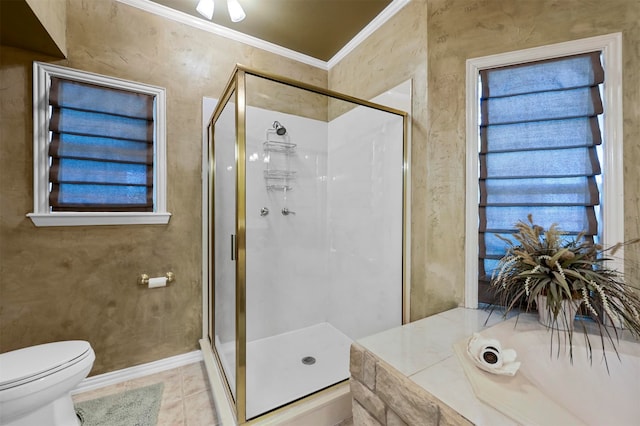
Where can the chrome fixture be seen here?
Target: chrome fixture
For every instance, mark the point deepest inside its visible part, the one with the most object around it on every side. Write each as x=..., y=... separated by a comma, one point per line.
x=287, y=212
x=206, y=8
x=280, y=129
x=264, y=211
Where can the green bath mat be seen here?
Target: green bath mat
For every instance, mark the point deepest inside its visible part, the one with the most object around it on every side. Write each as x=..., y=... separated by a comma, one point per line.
x=135, y=407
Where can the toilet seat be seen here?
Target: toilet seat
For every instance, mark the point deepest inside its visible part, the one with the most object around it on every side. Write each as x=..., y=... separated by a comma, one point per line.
x=29, y=364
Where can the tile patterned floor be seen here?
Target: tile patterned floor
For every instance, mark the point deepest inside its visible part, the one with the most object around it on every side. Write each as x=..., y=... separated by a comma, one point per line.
x=186, y=399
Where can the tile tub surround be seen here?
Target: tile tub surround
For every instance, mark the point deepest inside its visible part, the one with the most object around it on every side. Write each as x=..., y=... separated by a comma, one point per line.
x=410, y=375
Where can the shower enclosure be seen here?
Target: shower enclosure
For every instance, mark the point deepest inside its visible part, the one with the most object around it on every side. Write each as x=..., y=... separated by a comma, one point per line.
x=306, y=203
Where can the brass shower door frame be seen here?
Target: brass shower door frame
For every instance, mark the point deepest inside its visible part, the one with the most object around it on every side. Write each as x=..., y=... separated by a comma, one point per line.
x=236, y=87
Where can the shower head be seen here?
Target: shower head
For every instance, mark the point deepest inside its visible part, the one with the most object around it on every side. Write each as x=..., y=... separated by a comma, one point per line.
x=280, y=129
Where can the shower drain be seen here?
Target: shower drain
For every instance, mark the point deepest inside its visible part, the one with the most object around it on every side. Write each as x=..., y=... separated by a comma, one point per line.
x=308, y=360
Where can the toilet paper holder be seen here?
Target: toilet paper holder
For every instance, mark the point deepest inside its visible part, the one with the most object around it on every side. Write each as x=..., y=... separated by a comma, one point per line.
x=143, y=279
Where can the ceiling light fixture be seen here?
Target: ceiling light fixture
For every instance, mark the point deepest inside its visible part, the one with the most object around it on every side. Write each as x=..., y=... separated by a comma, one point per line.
x=236, y=13
x=205, y=8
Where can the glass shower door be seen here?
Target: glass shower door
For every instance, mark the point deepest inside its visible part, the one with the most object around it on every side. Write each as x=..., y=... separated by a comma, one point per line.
x=224, y=196
x=324, y=237
x=308, y=246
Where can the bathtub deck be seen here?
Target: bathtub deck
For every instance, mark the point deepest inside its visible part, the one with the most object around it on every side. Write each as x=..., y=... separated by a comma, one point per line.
x=423, y=352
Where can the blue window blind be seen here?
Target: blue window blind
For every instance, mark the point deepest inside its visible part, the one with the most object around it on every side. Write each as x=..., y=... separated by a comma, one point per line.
x=101, y=148
x=538, y=134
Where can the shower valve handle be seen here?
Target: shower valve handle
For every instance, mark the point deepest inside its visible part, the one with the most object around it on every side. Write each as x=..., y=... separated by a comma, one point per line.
x=287, y=212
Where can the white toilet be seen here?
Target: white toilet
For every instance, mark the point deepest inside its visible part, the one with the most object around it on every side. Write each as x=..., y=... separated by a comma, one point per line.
x=36, y=383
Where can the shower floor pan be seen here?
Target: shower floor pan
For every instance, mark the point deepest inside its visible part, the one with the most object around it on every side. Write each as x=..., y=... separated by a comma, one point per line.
x=279, y=370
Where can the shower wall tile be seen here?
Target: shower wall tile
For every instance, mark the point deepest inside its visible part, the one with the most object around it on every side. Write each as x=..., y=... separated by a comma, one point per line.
x=341, y=252
x=365, y=220
x=286, y=255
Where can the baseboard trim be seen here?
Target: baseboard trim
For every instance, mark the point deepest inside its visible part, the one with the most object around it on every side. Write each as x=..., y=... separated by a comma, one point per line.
x=118, y=376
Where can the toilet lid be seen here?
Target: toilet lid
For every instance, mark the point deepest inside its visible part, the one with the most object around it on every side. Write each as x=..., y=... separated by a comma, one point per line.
x=23, y=365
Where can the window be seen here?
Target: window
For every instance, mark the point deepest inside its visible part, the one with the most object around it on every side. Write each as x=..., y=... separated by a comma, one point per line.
x=534, y=143
x=99, y=150
x=538, y=136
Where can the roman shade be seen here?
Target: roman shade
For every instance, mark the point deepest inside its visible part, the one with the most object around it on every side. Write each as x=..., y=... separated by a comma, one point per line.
x=101, y=148
x=539, y=136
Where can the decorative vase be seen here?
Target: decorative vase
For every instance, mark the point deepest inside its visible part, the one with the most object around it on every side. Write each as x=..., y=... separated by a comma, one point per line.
x=566, y=315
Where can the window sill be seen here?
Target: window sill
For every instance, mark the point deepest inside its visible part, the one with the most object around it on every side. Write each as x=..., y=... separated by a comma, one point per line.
x=98, y=218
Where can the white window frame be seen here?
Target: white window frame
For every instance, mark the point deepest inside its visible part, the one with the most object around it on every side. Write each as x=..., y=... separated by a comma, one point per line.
x=612, y=212
x=42, y=214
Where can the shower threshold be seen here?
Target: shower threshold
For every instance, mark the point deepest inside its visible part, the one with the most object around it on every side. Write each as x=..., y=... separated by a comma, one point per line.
x=279, y=368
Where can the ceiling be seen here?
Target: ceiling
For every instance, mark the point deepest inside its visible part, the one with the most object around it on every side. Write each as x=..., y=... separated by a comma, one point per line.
x=317, y=28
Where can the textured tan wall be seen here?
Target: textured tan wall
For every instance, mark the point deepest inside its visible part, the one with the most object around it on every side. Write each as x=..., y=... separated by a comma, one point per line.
x=80, y=282
x=52, y=14
x=282, y=97
x=458, y=30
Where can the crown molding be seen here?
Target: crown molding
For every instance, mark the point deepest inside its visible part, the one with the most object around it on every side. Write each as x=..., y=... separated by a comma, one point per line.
x=192, y=21
x=184, y=18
